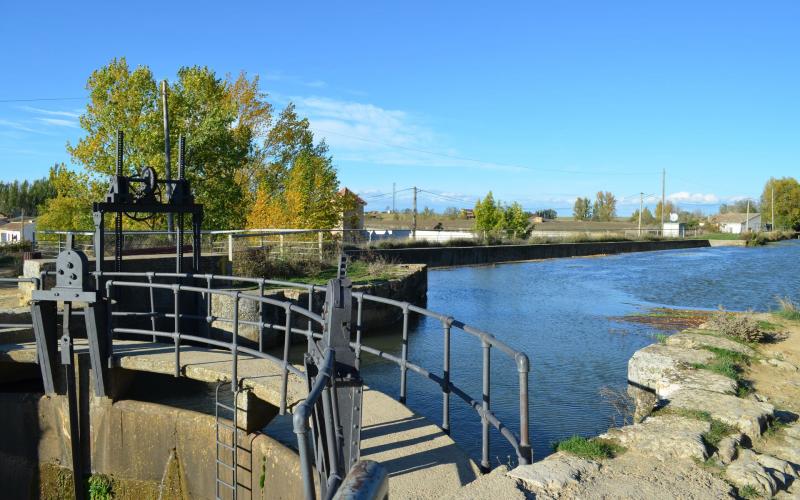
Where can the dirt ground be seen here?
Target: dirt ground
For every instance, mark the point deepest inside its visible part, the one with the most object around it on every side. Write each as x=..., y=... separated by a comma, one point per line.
x=781, y=386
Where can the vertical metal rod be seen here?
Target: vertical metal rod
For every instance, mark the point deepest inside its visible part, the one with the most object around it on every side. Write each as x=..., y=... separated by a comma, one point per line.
x=209, y=299
x=152, y=306
x=304, y=449
x=177, y=332
x=404, y=357
x=287, y=337
x=261, y=317
x=167, y=152
x=360, y=300
x=110, y=324
x=446, y=377
x=523, y=369
x=311, y=309
x=330, y=430
x=485, y=464
x=235, y=345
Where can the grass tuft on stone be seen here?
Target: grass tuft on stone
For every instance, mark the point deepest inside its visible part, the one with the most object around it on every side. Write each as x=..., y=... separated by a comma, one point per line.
x=749, y=491
x=730, y=364
x=714, y=435
x=594, y=448
x=787, y=309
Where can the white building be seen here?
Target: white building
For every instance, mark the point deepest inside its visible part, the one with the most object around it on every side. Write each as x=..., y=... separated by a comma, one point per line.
x=17, y=231
x=738, y=223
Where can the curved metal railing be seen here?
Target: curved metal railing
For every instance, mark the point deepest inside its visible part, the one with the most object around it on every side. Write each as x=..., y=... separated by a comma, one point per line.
x=519, y=442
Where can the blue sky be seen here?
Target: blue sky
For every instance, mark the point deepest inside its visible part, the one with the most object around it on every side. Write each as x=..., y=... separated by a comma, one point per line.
x=538, y=101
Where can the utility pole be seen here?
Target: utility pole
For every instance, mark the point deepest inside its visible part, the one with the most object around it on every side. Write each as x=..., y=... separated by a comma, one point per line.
x=641, y=204
x=414, y=215
x=772, y=204
x=394, y=197
x=747, y=218
x=167, y=165
x=663, y=196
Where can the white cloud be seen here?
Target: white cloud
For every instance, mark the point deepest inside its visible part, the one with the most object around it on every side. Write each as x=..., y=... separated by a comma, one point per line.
x=69, y=114
x=363, y=132
x=59, y=122
x=687, y=197
x=16, y=126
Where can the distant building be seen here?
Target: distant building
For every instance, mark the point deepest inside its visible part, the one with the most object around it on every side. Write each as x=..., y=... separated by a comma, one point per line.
x=468, y=213
x=536, y=219
x=17, y=231
x=353, y=214
x=738, y=223
x=674, y=230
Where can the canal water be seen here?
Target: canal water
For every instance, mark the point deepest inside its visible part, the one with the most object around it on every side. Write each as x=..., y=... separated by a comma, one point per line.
x=562, y=312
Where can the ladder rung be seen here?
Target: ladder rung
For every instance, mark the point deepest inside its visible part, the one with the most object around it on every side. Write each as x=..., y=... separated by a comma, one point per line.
x=219, y=462
x=226, y=426
x=229, y=485
x=222, y=405
x=227, y=447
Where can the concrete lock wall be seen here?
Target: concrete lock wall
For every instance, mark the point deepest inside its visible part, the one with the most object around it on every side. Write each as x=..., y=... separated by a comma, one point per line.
x=146, y=447
x=411, y=287
x=476, y=255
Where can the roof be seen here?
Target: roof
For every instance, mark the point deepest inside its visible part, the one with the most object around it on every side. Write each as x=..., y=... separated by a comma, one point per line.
x=735, y=217
x=347, y=192
x=14, y=226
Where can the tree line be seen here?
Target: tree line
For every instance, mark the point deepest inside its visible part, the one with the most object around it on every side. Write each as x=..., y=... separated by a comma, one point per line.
x=247, y=167
x=604, y=207
x=494, y=216
x=18, y=197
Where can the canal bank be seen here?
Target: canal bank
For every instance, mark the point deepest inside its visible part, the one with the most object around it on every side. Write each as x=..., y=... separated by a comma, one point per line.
x=696, y=435
x=493, y=254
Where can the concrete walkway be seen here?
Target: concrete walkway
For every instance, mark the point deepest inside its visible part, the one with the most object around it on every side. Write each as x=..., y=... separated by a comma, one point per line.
x=422, y=461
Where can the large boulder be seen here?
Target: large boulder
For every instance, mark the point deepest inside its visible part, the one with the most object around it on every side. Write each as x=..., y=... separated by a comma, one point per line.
x=554, y=473
x=749, y=416
x=666, y=437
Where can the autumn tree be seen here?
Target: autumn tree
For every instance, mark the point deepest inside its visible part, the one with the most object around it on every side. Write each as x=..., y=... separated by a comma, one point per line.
x=582, y=209
x=671, y=209
x=69, y=210
x=605, y=207
x=515, y=221
x=647, y=216
x=298, y=186
x=787, y=202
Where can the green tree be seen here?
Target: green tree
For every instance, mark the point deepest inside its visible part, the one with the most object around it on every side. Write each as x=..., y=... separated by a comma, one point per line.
x=739, y=206
x=221, y=119
x=605, y=207
x=582, y=210
x=69, y=209
x=787, y=203
x=515, y=221
x=488, y=214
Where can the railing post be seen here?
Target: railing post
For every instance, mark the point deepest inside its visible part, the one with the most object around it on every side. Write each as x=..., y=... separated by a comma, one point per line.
x=404, y=357
x=109, y=323
x=152, y=305
x=310, y=337
x=235, y=345
x=230, y=248
x=287, y=337
x=319, y=243
x=446, y=376
x=176, y=336
x=261, y=317
x=485, y=464
x=523, y=368
x=209, y=299
x=360, y=299
x=280, y=240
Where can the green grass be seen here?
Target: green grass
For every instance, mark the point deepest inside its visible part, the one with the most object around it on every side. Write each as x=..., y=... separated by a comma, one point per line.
x=787, y=309
x=714, y=435
x=749, y=492
x=661, y=338
x=358, y=272
x=729, y=364
x=594, y=448
x=101, y=487
x=768, y=326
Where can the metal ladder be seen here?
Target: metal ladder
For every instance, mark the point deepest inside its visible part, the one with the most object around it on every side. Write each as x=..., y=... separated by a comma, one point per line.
x=226, y=454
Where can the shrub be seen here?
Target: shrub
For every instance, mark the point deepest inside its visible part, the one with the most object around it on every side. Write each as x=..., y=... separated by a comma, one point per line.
x=100, y=487
x=739, y=326
x=787, y=309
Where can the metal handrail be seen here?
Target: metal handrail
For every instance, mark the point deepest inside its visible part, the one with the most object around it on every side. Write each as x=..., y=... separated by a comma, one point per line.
x=520, y=443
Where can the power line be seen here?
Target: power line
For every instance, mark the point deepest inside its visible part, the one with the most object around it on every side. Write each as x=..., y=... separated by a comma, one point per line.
x=474, y=160
x=37, y=99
